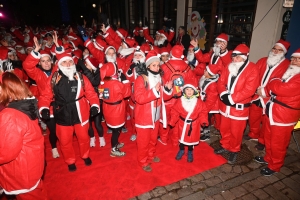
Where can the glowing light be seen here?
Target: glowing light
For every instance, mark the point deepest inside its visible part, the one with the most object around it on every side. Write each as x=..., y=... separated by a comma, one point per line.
x=216, y=16
x=1, y=15
x=81, y=16
x=94, y=5
x=1, y=5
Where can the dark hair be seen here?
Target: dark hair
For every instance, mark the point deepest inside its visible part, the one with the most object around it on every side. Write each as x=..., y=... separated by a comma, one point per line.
x=183, y=28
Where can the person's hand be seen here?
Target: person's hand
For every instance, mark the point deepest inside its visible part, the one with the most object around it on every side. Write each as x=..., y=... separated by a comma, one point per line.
x=103, y=29
x=94, y=111
x=55, y=38
x=169, y=85
x=157, y=86
x=85, y=52
x=45, y=113
x=259, y=91
x=194, y=43
x=223, y=46
x=37, y=45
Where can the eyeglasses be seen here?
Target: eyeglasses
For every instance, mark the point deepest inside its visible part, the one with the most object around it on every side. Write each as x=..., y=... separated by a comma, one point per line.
x=236, y=54
x=297, y=59
x=278, y=50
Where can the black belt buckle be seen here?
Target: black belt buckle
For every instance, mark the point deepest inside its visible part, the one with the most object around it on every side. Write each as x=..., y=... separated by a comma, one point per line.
x=272, y=98
x=239, y=106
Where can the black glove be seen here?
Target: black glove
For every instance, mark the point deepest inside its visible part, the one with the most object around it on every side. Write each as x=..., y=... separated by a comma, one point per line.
x=225, y=100
x=93, y=111
x=81, y=65
x=129, y=71
x=141, y=69
x=45, y=114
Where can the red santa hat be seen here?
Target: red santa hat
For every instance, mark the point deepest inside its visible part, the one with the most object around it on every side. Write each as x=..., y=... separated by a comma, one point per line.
x=100, y=43
x=44, y=53
x=11, y=51
x=193, y=16
x=164, y=34
x=77, y=53
x=3, y=53
x=138, y=50
x=241, y=50
x=190, y=83
x=212, y=69
x=29, y=45
x=122, y=33
x=63, y=57
x=145, y=48
x=108, y=70
x=296, y=53
x=151, y=57
x=19, y=44
x=177, y=52
x=74, y=43
x=93, y=62
x=109, y=47
x=223, y=37
x=164, y=51
x=129, y=42
x=283, y=44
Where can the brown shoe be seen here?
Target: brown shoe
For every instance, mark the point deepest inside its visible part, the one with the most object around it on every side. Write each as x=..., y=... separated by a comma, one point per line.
x=147, y=168
x=156, y=159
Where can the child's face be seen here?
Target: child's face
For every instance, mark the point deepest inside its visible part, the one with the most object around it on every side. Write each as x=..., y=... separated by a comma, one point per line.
x=189, y=92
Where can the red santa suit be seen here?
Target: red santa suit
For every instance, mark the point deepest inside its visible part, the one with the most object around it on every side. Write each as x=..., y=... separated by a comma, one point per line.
x=96, y=48
x=239, y=84
x=282, y=113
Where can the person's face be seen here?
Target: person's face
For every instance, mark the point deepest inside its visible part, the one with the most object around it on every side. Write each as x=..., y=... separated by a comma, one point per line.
x=111, y=52
x=165, y=57
x=180, y=31
x=138, y=56
x=157, y=36
x=191, y=51
x=237, y=58
x=67, y=63
x=141, y=33
x=189, y=92
x=206, y=74
x=45, y=63
x=295, y=61
x=49, y=39
x=11, y=56
x=154, y=66
x=277, y=49
x=28, y=50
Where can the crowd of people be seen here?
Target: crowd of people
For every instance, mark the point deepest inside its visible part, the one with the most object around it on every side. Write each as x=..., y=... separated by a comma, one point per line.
x=71, y=78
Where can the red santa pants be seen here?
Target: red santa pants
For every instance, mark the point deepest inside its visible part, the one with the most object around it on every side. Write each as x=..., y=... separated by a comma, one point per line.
x=146, y=144
x=217, y=120
x=255, y=119
x=65, y=136
x=277, y=139
x=232, y=133
x=39, y=193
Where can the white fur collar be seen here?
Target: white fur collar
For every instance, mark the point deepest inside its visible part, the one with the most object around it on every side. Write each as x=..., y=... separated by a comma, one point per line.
x=291, y=71
x=188, y=104
x=153, y=79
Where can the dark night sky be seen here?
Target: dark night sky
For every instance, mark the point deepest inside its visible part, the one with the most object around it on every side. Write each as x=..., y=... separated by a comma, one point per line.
x=45, y=12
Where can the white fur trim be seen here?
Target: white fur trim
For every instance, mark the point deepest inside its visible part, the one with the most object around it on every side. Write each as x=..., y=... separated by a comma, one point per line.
x=41, y=108
x=92, y=66
x=296, y=55
x=283, y=47
x=230, y=100
x=190, y=86
x=36, y=56
x=87, y=44
x=188, y=104
x=64, y=59
x=125, y=81
x=208, y=70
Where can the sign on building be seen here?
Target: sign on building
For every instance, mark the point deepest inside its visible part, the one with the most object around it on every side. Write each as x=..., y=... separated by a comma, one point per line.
x=288, y=3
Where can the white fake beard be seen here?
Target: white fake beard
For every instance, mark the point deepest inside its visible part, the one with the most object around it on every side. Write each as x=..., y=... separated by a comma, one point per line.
x=22, y=51
x=273, y=59
x=161, y=42
x=234, y=67
x=188, y=104
x=201, y=81
x=141, y=60
x=216, y=49
x=190, y=57
x=155, y=42
x=111, y=58
x=291, y=71
x=126, y=52
x=68, y=71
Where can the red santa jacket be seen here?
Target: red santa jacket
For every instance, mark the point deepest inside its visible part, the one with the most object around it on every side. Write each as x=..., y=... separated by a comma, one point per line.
x=209, y=94
x=90, y=98
x=145, y=98
x=114, y=109
x=288, y=93
x=265, y=75
x=98, y=54
x=189, y=122
x=22, y=153
x=240, y=92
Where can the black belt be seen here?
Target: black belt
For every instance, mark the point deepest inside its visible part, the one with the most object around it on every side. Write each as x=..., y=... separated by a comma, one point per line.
x=240, y=106
x=257, y=103
x=188, y=121
x=114, y=103
x=282, y=104
x=65, y=103
x=176, y=97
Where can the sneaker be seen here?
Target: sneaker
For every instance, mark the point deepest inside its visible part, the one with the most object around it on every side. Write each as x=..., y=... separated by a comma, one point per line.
x=102, y=141
x=232, y=158
x=115, y=152
x=133, y=137
x=267, y=171
x=147, y=168
x=247, y=137
x=124, y=130
x=179, y=154
x=55, y=153
x=92, y=141
x=72, y=168
x=161, y=141
x=260, y=160
x=156, y=159
x=87, y=161
x=120, y=145
x=109, y=131
x=260, y=146
x=204, y=137
x=190, y=156
x=220, y=150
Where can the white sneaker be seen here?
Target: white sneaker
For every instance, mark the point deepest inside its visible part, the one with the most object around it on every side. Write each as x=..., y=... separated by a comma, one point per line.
x=92, y=141
x=55, y=153
x=102, y=141
x=133, y=137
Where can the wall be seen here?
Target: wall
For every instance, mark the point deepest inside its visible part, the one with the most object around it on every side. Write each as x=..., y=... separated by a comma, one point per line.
x=180, y=14
x=267, y=32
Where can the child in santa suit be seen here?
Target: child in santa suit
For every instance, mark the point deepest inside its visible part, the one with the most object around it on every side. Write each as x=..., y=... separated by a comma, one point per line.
x=190, y=113
x=114, y=109
x=209, y=95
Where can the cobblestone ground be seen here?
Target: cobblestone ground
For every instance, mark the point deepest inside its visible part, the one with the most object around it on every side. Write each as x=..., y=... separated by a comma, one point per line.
x=237, y=181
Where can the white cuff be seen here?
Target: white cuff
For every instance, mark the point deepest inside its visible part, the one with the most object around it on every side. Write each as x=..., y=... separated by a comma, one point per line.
x=222, y=93
x=230, y=100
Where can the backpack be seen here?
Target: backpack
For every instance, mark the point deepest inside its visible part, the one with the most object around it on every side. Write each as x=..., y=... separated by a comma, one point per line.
x=177, y=75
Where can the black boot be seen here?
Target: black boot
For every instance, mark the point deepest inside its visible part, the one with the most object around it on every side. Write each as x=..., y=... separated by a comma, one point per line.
x=72, y=167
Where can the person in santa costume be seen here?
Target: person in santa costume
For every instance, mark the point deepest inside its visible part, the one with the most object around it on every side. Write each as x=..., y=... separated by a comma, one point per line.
x=74, y=98
x=41, y=75
x=21, y=141
x=162, y=38
x=236, y=85
x=114, y=107
x=190, y=113
x=210, y=96
x=282, y=113
x=269, y=67
x=149, y=95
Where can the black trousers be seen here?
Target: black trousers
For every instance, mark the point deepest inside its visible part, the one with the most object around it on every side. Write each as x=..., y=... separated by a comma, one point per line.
x=52, y=129
x=190, y=147
x=115, y=136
